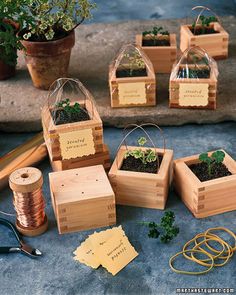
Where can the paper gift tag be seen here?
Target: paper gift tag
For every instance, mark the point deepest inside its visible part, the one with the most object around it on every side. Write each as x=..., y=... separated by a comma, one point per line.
x=116, y=253
x=77, y=143
x=85, y=254
x=132, y=93
x=193, y=94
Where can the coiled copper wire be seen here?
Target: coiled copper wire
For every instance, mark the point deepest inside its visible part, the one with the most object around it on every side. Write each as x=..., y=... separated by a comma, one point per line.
x=29, y=208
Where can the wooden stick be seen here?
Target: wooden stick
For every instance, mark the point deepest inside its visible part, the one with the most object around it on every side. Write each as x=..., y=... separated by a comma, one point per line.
x=28, y=154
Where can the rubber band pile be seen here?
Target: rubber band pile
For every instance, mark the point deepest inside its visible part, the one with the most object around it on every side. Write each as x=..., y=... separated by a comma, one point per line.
x=215, y=257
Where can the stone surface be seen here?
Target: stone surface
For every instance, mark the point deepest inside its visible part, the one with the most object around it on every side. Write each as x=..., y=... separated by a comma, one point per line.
x=56, y=273
x=96, y=46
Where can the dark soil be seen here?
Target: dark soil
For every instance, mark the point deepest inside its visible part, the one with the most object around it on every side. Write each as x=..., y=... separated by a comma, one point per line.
x=201, y=171
x=200, y=31
x=136, y=165
x=150, y=42
x=194, y=73
x=62, y=117
x=135, y=73
x=41, y=38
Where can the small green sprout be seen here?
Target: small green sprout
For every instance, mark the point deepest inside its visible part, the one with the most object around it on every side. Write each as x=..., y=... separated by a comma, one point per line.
x=205, y=22
x=69, y=109
x=135, y=61
x=147, y=156
x=166, y=230
x=155, y=33
x=216, y=157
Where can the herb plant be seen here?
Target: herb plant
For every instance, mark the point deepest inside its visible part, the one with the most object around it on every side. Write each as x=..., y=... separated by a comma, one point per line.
x=205, y=22
x=216, y=157
x=166, y=230
x=155, y=33
x=135, y=61
x=54, y=19
x=69, y=109
x=146, y=156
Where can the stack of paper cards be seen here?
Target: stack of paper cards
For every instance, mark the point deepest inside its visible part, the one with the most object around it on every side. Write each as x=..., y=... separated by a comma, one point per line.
x=110, y=248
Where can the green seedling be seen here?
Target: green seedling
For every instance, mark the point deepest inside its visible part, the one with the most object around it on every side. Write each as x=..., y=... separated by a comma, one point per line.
x=205, y=22
x=216, y=157
x=135, y=61
x=69, y=109
x=166, y=230
x=155, y=33
x=147, y=156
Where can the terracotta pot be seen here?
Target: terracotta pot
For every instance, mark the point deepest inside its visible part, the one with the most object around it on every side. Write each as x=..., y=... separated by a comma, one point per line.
x=48, y=61
x=6, y=71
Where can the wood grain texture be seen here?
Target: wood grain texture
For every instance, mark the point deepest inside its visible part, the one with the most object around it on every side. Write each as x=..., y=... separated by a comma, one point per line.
x=162, y=57
x=216, y=45
x=209, y=197
x=100, y=158
x=51, y=131
x=141, y=189
x=82, y=199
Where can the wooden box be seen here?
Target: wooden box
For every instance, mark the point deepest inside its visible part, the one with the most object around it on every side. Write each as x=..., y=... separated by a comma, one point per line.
x=176, y=101
x=162, y=57
x=82, y=199
x=52, y=132
x=101, y=158
x=216, y=44
x=209, y=197
x=141, y=189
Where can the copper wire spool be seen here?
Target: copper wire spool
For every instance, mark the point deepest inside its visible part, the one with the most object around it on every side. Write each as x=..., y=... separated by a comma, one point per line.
x=26, y=184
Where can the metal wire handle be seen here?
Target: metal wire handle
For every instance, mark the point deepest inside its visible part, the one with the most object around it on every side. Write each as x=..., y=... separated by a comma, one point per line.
x=88, y=96
x=204, y=8
x=135, y=127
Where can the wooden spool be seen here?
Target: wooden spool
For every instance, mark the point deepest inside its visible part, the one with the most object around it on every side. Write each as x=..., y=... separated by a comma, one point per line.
x=27, y=180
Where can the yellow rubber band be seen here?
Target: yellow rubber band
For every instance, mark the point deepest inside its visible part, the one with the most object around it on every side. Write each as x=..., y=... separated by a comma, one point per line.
x=225, y=230
x=190, y=272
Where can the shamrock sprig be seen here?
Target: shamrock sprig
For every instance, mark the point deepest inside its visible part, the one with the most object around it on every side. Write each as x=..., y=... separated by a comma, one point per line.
x=216, y=157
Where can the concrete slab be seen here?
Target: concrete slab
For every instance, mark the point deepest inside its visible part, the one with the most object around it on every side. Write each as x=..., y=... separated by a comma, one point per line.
x=95, y=47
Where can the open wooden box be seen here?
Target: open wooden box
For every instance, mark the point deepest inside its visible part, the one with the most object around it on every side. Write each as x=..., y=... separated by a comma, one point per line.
x=215, y=44
x=82, y=199
x=162, y=57
x=132, y=91
x=209, y=197
x=141, y=189
x=73, y=140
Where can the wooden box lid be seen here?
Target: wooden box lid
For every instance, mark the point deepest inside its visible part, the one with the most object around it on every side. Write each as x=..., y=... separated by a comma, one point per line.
x=80, y=184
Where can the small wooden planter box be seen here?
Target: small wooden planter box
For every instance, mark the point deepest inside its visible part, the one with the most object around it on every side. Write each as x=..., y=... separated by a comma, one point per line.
x=141, y=189
x=175, y=100
x=53, y=132
x=101, y=158
x=216, y=44
x=162, y=57
x=209, y=197
x=82, y=199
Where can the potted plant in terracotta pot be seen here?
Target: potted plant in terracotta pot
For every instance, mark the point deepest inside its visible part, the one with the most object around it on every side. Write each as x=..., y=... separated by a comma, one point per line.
x=160, y=46
x=49, y=38
x=11, y=16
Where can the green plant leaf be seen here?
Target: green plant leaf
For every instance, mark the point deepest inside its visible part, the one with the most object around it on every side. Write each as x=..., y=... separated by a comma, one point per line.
x=142, y=141
x=218, y=156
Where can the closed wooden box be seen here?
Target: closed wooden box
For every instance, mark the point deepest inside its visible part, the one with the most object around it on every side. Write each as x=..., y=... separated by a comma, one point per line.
x=82, y=199
x=138, y=189
x=162, y=57
x=216, y=44
x=206, y=198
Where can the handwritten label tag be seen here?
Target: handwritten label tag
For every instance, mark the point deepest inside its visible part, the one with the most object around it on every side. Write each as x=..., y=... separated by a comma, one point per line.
x=193, y=94
x=116, y=253
x=77, y=143
x=132, y=93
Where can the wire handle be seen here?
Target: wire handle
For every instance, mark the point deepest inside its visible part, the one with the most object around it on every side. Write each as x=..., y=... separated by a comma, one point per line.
x=204, y=8
x=58, y=85
x=135, y=127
